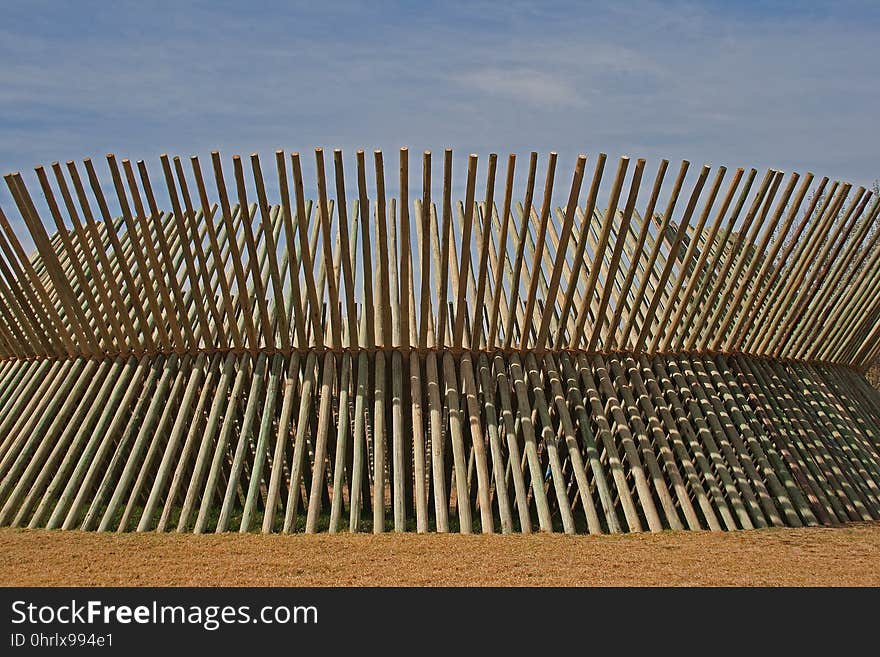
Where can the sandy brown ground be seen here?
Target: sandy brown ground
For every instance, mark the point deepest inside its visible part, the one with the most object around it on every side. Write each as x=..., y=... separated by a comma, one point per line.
x=815, y=556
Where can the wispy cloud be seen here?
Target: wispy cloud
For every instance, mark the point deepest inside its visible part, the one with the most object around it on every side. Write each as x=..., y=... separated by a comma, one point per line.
x=789, y=85
x=528, y=86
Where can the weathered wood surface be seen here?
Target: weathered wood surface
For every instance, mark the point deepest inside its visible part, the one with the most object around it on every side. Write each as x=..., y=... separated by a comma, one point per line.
x=562, y=443
x=250, y=360
x=785, y=268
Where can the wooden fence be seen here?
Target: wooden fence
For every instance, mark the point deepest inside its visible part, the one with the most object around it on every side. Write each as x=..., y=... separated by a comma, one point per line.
x=682, y=351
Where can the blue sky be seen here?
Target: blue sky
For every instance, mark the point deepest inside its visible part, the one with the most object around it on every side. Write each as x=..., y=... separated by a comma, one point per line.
x=788, y=85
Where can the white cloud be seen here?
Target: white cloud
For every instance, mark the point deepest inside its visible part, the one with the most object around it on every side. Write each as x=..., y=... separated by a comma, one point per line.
x=524, y=85
x=795, y=90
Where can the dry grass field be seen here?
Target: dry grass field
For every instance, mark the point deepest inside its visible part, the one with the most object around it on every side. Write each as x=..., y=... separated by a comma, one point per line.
x=845, y=556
